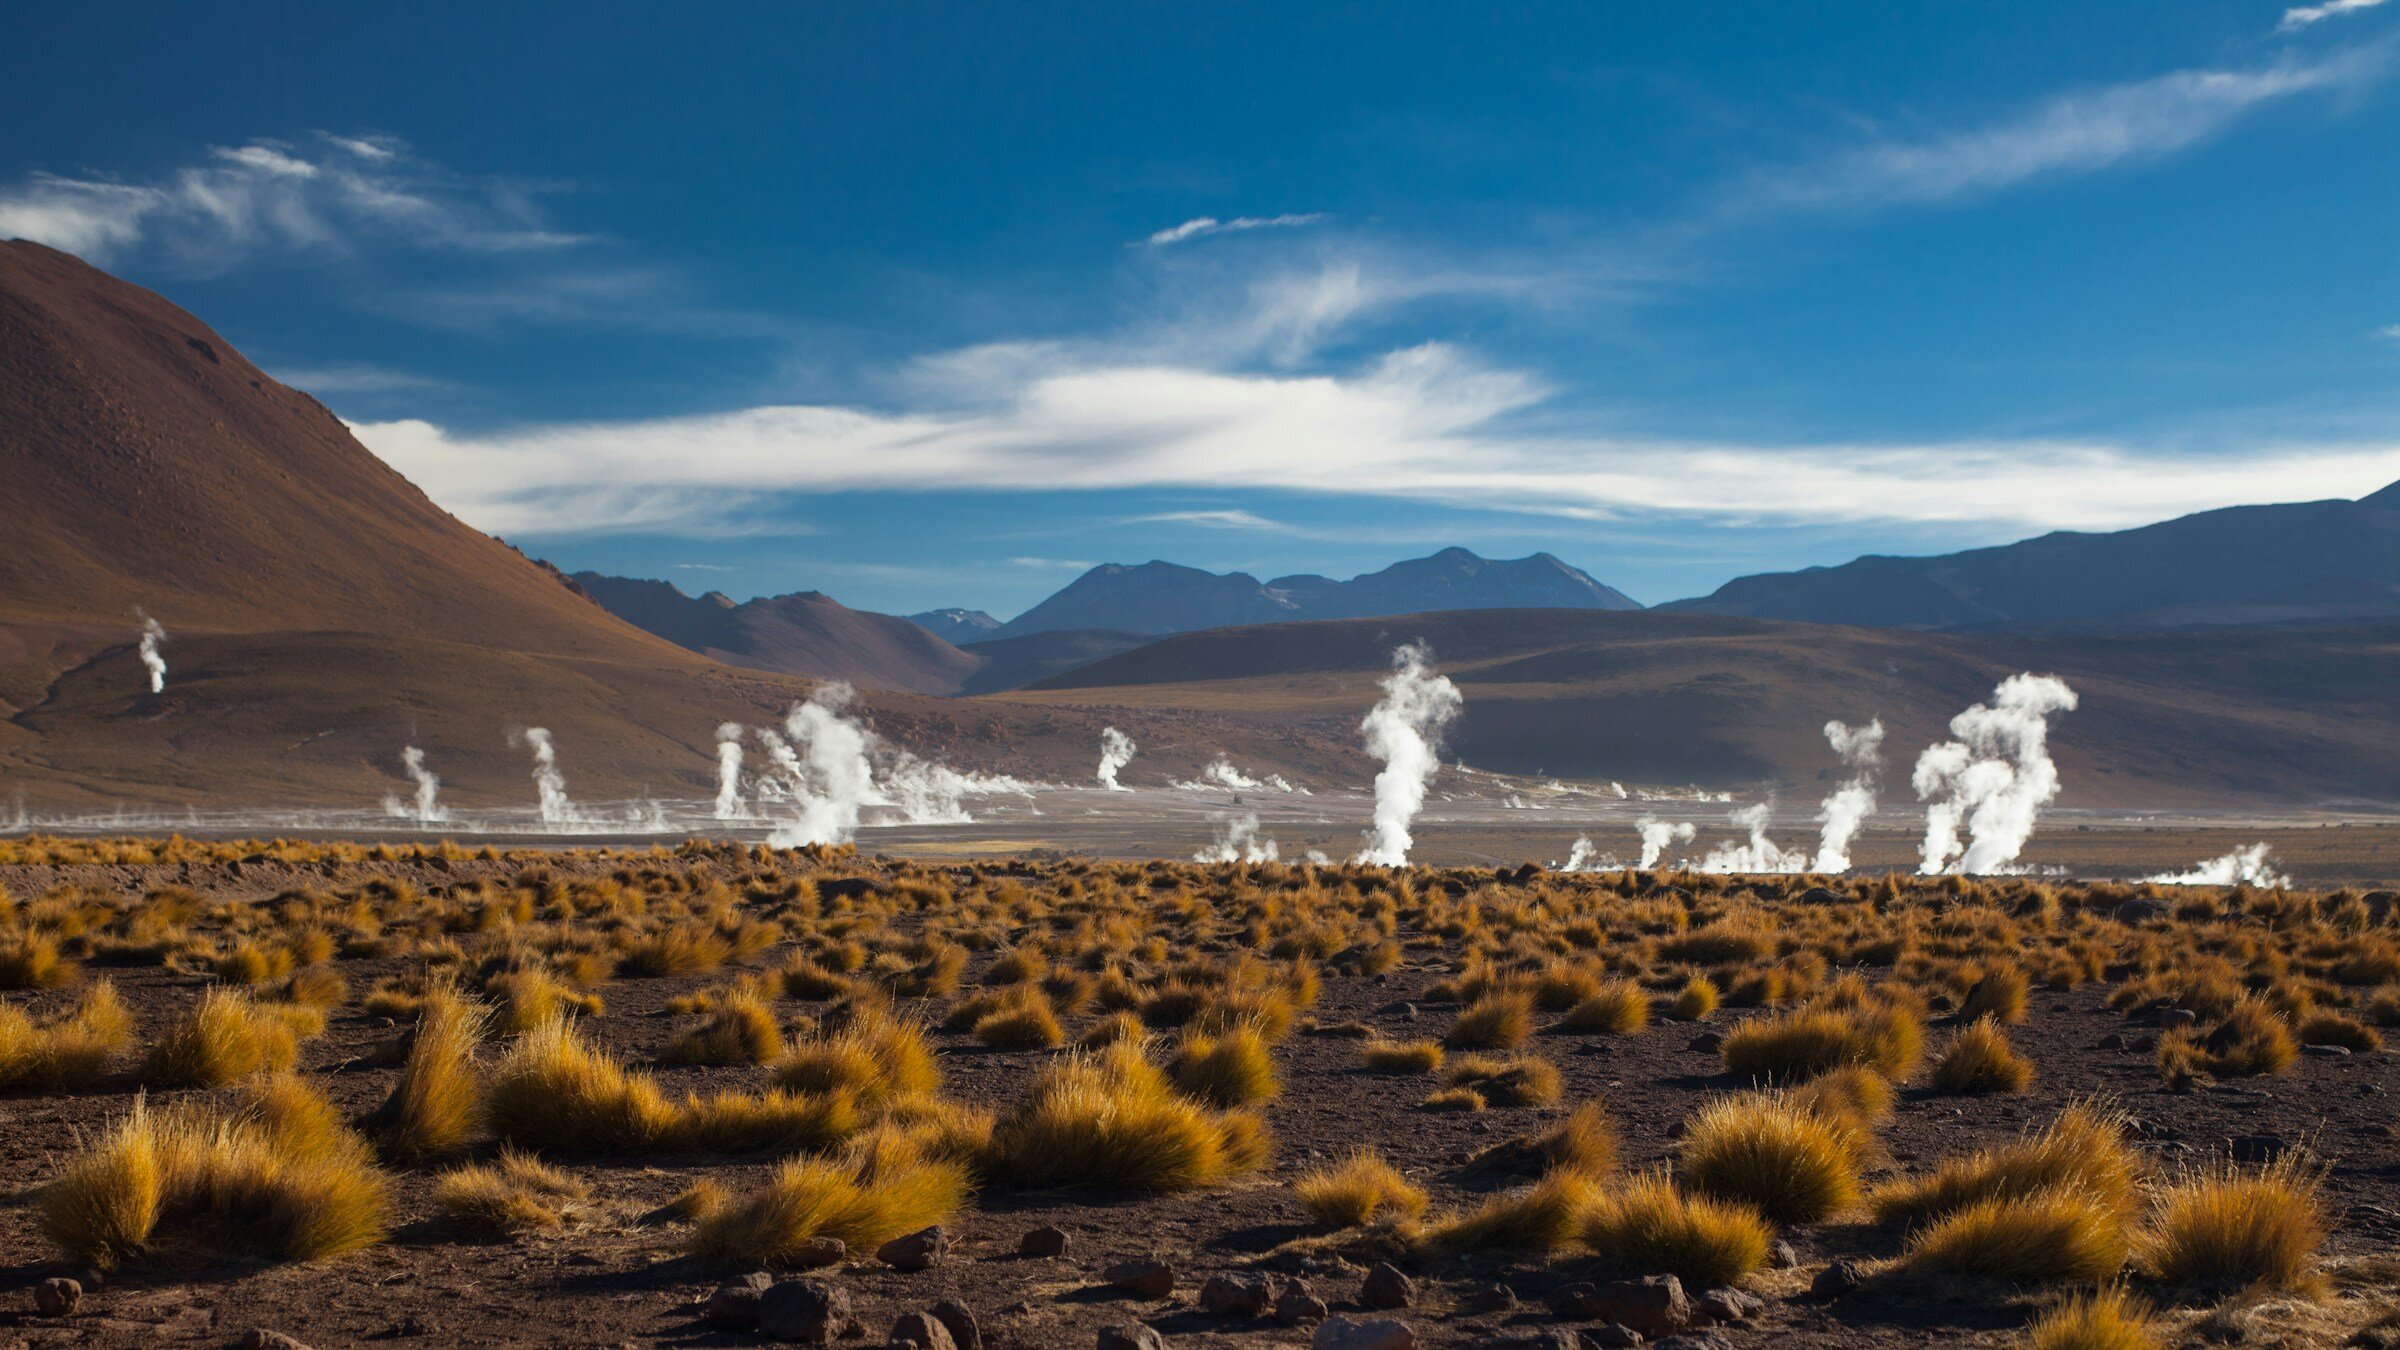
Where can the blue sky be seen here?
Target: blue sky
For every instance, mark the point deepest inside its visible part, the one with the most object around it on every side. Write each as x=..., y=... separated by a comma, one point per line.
x=936, y=304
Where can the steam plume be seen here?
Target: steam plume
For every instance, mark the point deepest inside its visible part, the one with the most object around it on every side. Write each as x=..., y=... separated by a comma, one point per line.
x=1758, y=853
x=2243, y=867
x=152, y=635
x=1221, y=773
x=1994, y=779
x=1403, y=731
x=428, y=809
x=1238, y=841
x=1587, y=857
x=1658, y=836
x=1116, y=751
x=729, y=772
x=1862, y=749
x=832, y=780
x=547, y=780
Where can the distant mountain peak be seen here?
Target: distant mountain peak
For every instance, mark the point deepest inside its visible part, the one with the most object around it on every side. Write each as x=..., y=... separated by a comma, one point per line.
x=2386, y=500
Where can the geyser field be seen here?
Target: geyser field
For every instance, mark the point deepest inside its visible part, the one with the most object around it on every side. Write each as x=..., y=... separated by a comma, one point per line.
x=348, y=1093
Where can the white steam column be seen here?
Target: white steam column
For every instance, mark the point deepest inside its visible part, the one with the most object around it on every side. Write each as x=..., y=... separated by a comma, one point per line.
x=1404, y=732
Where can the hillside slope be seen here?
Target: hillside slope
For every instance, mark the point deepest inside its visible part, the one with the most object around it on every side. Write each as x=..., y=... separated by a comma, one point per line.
x=2296, y=562
x=2284, y=717
x=808, y=633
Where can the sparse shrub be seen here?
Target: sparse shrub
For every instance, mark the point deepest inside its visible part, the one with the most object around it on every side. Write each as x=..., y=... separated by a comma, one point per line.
x=863, y=1202
x=1789, y=1164
x=1234, y=1069
x=551, y=1090
x=1618, y=1008
x=875, y=1059
x=516, y=1193
x=67, y=1051
x=2083, y=1151
x=1029, y=1025
x=1697, y=999
x=687, y=949
x=1454, y=1099
x=1798, y=1045
x=1361, y=1189
x=1543, y=1217
x=1999, y=995
x=30, y=960
x=1514, y=1080
x=1861, y=1097
x=1497, y=1021
x=437, y=1106
x=2331, y=1028
x=1585, y=1141
x=1401, y=1056
x=2048, y=1237
x=224, y=1038
x=2227, y=1228
x=1979, y=1059
x=2106, y=1319
x=1650, y=1226
x=748, y=1122
x=741, y=1029
x=1110, y=1119
x=1117, y=1026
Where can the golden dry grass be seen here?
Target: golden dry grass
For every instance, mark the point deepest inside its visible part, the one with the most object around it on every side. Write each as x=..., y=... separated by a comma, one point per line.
x=1980, y=1060
x=2225, y=1227
x=1650, y=1227
x=1790, y=1164
x=1361, y=1189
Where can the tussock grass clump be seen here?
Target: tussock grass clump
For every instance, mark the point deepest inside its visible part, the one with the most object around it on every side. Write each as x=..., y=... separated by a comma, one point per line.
x=1585, y=1141
x=552, y=1090
x=687, y=949
x=1980, y=1060
x=437, y=1106
x=30, y=960
x=2228, y=1228
x=741, y=1029
x=1111, y=1119
x=1117, y=1026
x=1799, y=1045
x=1383, y=1056
x=864, y=1201
x=749, y=1122
x=1859, y=1096
x=226, y=1038
x=282, y=1181
x=1650, y=1226
x=1513, y=1080
x=1617, y=1008
x=1790, y=1164
x=2106, y=1319
x=1359, y=1190
x=1999, y=995
x=874, y=1058
x=1028, y=1025
x=69, y=1050
x=1454, y=1099
x=2083, y=1151
x=1543, y=1217
x=516, y=1193
x=1698, y=998
x=2048, y=1237
x=1233, y=1069
x=2331, y=1028
x=1497, y=1021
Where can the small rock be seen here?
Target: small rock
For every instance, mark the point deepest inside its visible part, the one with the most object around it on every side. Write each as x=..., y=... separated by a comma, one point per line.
x=1654, y=1305
x=916, y=1251
x=1818, y=895
x=808, y=1312
x=1698, y=1340
x=734, y=1307
x=2258, y=1148
x=1493, y=1298
x=1235, y=1295
x=1707, y=1042
x=1296, y=1304
x=2171, y=1018
x=817, y=1253
x=1044, y=1241
x=2112, y=1041
x=921, y=1330
x=1783, y=1255
x=1130, y=1336
x=57, y=1297
x=953, y=1314
x=1842, y=1277
x=2142, y=909
x=2326, y=1051
x=1727, y=1305
x=1363, y=1333
x=1386, y=1287
x=1613, y=1335
x=1149, y=1279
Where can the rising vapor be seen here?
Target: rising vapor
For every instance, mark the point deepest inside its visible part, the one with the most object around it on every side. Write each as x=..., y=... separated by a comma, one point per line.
x=547, y=780
x=1403, y=731
x=1993, y=780
x=1116, y=751
x=1757, y=853
x=832, y=780
x=729, y=773
x=1658, y=836
x=428, y=809
x=1237, y=841
x=1861, y=748
x=152, y=635
x=2243, y=867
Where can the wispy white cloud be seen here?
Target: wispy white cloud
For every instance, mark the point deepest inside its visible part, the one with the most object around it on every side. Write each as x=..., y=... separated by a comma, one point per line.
x=355, y=378
x=327, y=194
x=2302, y=16
x=1427, y=424
x=2390, y=332
x=1053, y=564
x=1201, y=226
x=1214, y=520
x=2074, y=133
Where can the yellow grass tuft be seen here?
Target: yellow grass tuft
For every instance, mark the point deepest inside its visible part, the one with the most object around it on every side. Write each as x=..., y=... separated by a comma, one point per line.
x=1980, y=1060
x=2108, y=1319
x=2083, y=1151
x=865, y=1199
x=552, y=1090
x=1513, y=1080
x=437, y=1106
x=1802, y=1044
x=741, y=1029
x=1543, y=1217
x=874, y=1059
x=1110, y=1119
x=1234, y=1069
x=67, y=1051
x=1497, y=1021
x=2048, y=1237
x=1650, y=1226
x=2227, y=1228
x=1382, y=1056
x=223, y=1039
x=1359, y=1190
x=1617, y=1008
x=1790, y=1164
x=1697, y=999
x=516, y=1193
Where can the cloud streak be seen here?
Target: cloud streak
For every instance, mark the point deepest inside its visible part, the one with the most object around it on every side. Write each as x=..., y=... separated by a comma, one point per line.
x=325, y=195
x=2305, y=15
x=1202, y=226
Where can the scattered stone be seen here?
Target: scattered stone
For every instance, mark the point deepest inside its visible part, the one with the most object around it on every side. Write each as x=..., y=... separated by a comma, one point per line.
x=734, y=1307
x=57, y=1297
x=1235, y=1295
x=1842, y=1277
x=2258, y=1148
x=916, y=1251
x=2142, y=909
x=1726, y=1305
x=1548, y=1338
x=817, y=1253
x=1149, y=1279
x=1386, y=1287
x=808, y=1312
x=1707, y=1042
x=1818, y=895
x=2112, y=1041
x=954, y=1315
x=1493, y=1298
x=1130, y=1336
x=260, y=1338
x=2170, y=1019
x=1297, y=1304
x=1363, y=1333
x=1612, y=1335
x=2326, y=1051
x=922, y=1330
x=1698, y=1340
x=1044, y=1241
x=1654, y=1305
x=1783, y=1255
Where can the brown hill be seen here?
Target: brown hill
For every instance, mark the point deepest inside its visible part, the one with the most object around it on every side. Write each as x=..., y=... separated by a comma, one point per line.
x=2262, y=717
x=322, y=611
x=809, y=633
